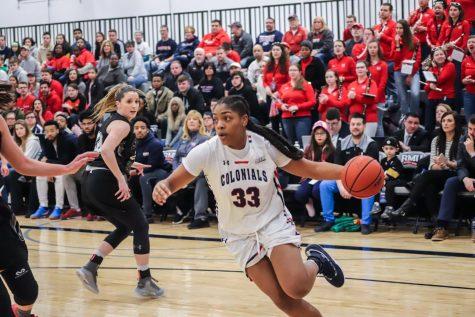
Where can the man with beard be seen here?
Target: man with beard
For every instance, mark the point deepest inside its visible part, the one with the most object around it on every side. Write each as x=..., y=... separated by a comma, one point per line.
x=149, y=152
x=357, y=143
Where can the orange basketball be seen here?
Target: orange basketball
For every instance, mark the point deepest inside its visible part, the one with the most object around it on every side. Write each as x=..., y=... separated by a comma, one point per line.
x=363, y=176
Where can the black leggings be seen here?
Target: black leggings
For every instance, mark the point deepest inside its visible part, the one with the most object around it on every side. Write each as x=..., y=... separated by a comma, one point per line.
x=14, y=268
x=126, y=216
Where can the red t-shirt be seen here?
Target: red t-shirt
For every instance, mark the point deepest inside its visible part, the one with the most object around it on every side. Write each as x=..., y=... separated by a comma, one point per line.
x=358, y=104
x=423, y=18
x=445, y=80
x=337, y=98
x=468, y=69
x=406, y=54
x=234, y=56
x=25, y=103
x=379, y=73
x=304, y=99
x=275, y=78
x=294, y=40
x=344, y=66
x=388, y=31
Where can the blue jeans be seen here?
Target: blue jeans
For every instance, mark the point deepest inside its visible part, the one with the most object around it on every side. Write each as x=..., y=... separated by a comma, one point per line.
x=449, y=198
x=297, y=127
x=468, y=104
x=390, y=88
x=380, y=129
x=147, y=189
x=137, y=81
x=327, y=191
x=408, y=101
x=307, y=191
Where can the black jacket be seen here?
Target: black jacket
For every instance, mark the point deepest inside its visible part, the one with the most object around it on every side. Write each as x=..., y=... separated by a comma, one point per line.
x=343, y=156
x=211, y=89
x=315, y=73
x=250, y=95
x=85, y=143
x=170, y=81
x=96, y=92
x=150, y=151
x=193, y=100
x=419, y=141
x=66, y=149
x=196, y=71
x=465, y=163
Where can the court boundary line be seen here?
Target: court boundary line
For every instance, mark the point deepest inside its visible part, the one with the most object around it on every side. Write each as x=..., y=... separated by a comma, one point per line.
x=209, y=239
x=240, y=272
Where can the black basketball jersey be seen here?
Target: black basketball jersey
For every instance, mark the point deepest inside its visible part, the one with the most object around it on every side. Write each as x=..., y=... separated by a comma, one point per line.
x=124, y=152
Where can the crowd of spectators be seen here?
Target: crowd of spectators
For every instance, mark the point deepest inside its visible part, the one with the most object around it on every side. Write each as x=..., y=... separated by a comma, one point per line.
x=405, y=86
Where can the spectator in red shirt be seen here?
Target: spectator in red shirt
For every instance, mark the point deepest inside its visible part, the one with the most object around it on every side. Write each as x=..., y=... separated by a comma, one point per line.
x=379, y=73
x=435, y=25
x=295, y=34
x=441, y=91
x=296, y=100
x=49, y=97
x=356, y=38
x=419, y=21
x=405, y=50
x=468, y=79
x=84, y=60
x=25, y=100
x=469, y=9
x=42, y=114
x=333, y=95
x=386, y=30
x=275, y=75
x=350, y=21
x=455, y=31
x=362, y=95
x=360, y=51
x=343, y=65
x=54, y=85
x=230, y=53
x=215, y=39
x=60, y=62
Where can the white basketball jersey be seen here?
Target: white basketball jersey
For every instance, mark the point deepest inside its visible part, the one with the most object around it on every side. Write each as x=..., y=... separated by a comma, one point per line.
x=244, y=182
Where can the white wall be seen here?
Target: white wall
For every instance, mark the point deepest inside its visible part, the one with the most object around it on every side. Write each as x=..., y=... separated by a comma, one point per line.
x=27, y=12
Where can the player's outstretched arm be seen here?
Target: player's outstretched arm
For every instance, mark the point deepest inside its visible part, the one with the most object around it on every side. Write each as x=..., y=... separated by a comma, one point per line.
x=29, y=167
x=314, y=170
x=177, y=180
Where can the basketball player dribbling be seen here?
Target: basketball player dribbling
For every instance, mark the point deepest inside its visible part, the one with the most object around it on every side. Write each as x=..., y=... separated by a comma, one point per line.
x=14, y=266
x=240, y=166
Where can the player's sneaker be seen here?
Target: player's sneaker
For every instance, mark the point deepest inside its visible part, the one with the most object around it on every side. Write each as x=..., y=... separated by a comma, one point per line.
x=56, y=214
x=88, y=279
x=90, y=217
x=71, y=213
x=146, y=287
x=41, y=212
x=326, y=265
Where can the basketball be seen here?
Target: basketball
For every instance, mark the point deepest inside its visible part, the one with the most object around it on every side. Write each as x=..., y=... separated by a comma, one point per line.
x=363, y=177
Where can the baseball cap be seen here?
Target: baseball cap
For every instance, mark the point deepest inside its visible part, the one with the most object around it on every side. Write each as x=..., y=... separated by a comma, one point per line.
x=306, y=43
x=236, y=24
x=358, y=25
x=293, y=17
x=320, y=124
x=391, y=141
x=235, y=64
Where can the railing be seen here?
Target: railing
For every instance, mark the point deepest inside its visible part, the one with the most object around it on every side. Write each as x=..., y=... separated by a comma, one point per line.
x=334, y=13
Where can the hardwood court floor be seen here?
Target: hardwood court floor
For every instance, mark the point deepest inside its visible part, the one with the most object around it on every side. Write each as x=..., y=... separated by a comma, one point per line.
x=388, y=274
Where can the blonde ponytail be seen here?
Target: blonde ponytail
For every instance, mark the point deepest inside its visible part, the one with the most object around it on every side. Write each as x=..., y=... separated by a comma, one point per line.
x=108, y=103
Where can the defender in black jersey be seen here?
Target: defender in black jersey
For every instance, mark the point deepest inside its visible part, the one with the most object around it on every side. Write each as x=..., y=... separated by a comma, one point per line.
x=108, y=192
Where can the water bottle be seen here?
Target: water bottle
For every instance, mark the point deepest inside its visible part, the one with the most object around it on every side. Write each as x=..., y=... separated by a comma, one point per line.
x=382, y=196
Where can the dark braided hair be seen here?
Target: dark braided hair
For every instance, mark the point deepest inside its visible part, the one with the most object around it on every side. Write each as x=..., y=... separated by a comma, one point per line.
x=239, y=105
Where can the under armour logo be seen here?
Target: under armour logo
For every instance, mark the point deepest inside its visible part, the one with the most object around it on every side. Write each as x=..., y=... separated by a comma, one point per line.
x=225, y=162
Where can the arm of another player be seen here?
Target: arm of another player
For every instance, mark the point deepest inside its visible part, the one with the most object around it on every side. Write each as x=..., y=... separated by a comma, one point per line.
x=29, y=167
x=314, y=170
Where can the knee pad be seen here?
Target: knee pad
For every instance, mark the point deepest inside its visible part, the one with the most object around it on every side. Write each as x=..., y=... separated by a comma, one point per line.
x=25, y=289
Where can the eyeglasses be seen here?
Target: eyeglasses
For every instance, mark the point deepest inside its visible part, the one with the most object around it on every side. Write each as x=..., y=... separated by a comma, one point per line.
x=320, y=133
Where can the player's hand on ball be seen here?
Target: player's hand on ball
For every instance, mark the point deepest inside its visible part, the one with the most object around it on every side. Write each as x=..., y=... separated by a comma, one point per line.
x=161, y=192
